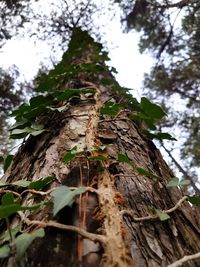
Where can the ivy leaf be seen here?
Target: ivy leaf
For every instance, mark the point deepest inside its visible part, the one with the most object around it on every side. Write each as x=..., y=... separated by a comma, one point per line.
x=21, y=183
x=1, y=159
x=100, y=147
x=23, y=241
x=146, y=173
x=7, y=210
x=160, y=136
x=70, y=155
x=152, y=110
x=162, y=215
x=194, y=200
x=110, y=109
x=7, y=162
x=124, y=158
x=61, y=96
x=173, y=182
x=4, y=251
x=41, y=183
x=63, y=196
x=2, y=184
x=7, y=199
x=185, y=182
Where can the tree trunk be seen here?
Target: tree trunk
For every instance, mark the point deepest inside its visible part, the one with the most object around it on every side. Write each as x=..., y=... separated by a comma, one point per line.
x=117, y=206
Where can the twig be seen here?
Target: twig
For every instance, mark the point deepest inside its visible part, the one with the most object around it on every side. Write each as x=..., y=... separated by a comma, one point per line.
x=184, y=172
x=151, y=217
x=184, y=259
x=82, y=232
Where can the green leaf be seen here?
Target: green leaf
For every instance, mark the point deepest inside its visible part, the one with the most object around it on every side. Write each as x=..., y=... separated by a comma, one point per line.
x=41, y=183
x=2, y=184
x=7, y=162
x=146, y=173
x=100, y=147
x=8, y=199
x=184, y=182
x=23, y=241
x=124, y=158
x=4, y=251
x=1, y=159
x=21, y=183
x=194, y=200
x=98, y=158
x=6, y=236
x=111, y=109
x=162, y=215
x=63, y=196
x=67, y=94
x=152, y=110
x=7, y=210
x=70, y=155
x=160, y=136
x=173, y=182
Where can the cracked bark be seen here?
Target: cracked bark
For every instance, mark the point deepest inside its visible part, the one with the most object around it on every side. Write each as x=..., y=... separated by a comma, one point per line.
x=128, y=243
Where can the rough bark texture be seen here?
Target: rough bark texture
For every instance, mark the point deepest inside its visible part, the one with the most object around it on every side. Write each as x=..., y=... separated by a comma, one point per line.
x=125, y=242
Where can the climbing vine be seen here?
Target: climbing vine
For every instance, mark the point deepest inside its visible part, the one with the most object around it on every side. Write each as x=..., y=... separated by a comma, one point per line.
x=70, y=83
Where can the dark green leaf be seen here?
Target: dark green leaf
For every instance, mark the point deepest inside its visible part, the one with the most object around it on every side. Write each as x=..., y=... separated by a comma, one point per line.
x=7, y=210
x=7, y=162
x=146, y=173
x=8, y=199
x=23, y=241
x=70, y=155
x=41, y=183
x=124, y=158
x=110, y=109
x=1, y=159
x=63, y=196
x=152, y=110
x=160, y=136
x=67, y=94
x=4, y=251
x=194, y=200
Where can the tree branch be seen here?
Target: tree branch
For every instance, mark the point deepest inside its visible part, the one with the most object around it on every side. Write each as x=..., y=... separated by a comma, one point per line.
x=184, y=172
x=184, y=259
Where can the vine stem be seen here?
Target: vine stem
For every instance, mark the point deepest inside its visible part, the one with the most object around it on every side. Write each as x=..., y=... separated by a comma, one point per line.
x=151, y=217
x=82, y=232
x=184, y=259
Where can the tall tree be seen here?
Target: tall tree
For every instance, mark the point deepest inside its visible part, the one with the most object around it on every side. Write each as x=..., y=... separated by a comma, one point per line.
x=89, y=175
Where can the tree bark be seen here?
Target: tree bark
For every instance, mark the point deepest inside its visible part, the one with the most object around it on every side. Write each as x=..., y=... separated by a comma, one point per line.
x=115, y=208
